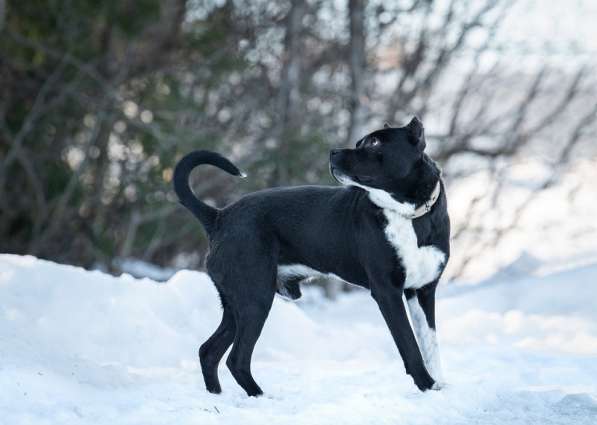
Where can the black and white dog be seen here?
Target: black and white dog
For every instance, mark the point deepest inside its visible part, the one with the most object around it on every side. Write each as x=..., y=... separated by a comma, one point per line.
x=387, y=229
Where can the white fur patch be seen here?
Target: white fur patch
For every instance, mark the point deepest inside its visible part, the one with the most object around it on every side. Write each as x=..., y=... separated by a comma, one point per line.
x=381, y=198
x=296, y=270
x=427, y=340
x=421, y=264
x=300, y=270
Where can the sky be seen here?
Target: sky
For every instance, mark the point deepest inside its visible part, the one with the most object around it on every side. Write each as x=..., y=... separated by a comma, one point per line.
x=564, y=27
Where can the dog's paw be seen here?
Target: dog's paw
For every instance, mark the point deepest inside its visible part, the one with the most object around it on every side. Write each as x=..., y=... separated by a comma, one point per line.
x=438, y=385
x=424, y=382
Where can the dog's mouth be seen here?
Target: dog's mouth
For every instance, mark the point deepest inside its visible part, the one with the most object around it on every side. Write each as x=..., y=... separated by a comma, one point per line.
x=342, y=178
x=363, y=179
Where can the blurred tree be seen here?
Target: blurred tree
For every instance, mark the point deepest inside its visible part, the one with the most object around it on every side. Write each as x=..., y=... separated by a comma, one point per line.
x=90, y=92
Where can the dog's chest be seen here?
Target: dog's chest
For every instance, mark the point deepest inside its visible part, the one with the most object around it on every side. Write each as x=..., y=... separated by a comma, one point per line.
x=422, y=265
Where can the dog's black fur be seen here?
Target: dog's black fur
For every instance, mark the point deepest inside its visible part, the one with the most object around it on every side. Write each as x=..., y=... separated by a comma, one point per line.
x=329, y=229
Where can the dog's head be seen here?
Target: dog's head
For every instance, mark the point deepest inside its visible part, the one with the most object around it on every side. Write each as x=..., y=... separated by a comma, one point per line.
x=391, y=160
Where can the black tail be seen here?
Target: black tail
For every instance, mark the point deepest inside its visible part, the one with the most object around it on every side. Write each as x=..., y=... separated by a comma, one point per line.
x=207, y=215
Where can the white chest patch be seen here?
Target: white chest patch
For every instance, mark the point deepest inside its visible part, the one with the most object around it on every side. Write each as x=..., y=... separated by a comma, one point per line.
x=421, y=264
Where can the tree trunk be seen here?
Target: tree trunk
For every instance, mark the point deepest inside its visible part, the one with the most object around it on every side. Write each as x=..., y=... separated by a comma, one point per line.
x=2, y=14
x=358, y=65
x=289, y=91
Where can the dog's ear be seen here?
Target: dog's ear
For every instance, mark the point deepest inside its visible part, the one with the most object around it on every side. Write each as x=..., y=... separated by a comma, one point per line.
x=416, y=130
x=386, y=125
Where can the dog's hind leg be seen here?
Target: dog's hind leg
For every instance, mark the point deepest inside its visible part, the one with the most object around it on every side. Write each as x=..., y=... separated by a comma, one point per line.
x=213, y=349
x=251, y=311
x=421, y=306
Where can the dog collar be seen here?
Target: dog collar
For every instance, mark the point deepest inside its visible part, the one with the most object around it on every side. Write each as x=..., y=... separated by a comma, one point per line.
x=426, y=207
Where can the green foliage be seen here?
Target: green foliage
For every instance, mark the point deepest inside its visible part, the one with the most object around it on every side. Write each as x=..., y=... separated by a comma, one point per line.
x=99, y=100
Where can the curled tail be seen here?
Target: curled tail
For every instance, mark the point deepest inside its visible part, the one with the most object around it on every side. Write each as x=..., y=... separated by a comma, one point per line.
x=207, y=215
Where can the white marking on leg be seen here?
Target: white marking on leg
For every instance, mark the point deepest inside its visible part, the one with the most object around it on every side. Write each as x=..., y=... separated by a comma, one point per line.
x=427, y=340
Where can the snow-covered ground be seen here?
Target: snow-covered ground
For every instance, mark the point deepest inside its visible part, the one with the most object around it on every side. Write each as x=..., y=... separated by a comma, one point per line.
x=85, y=347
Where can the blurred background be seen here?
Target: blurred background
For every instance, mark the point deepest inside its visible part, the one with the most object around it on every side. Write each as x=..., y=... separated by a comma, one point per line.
x=98, y=100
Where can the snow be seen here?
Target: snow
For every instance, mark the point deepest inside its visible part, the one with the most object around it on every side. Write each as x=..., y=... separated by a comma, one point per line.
x=80, y=347
x=140, y=268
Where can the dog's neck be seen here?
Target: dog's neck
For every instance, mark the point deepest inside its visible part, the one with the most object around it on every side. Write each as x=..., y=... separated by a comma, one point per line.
x=426, y=206
x=408, y=210
x=386, y=201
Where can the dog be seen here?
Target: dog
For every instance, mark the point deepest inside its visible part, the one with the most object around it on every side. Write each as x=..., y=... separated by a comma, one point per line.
x=386, y=228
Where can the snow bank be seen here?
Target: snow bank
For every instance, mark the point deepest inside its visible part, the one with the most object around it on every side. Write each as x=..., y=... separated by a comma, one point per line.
x=84, y=347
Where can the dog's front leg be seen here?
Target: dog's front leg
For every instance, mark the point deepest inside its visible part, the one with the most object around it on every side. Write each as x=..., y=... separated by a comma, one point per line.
x=389, y=300
x=421, y=304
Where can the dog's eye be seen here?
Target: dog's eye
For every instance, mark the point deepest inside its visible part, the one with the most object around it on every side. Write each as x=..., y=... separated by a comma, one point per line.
x=374, y=142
